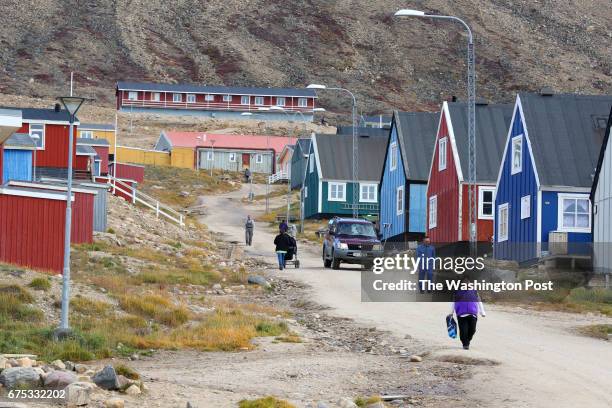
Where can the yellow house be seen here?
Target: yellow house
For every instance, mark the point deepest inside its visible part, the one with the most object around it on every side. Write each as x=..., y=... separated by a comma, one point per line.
x=99, y=131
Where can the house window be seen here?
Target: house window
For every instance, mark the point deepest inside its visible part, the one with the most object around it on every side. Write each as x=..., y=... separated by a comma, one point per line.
x=399, y=200
x=517, y=154
x=337, y=192
x=305, y=191
x=133, y=96
x=485, y=202
x=433, y=212
x=155, y=96
x=393, y=154
x=259, y=158
x=209, y=98
x=245, y=100
x=227, y=98
x=210, y=155
x=232, y=157
x=502, y=223
x=302, y=102
x=259, y=100
x=280, y=101
x=86, y=134
x=574, y=213
x=525, y=207
x=37, y=133
x=368, y=193
x=311, y=162
x=442, y=154
x=191, y=98
x=177, y=97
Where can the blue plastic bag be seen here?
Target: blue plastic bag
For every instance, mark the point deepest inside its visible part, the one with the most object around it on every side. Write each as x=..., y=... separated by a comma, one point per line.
x=451, y=326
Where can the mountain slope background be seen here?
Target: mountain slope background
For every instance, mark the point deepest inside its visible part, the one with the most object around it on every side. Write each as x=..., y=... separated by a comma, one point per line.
x=389, y=63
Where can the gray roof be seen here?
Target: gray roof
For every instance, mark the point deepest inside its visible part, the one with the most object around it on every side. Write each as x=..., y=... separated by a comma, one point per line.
x=223, y=90
x=304, y=144
x=605, y=145
x=492, y=124
x=96, y=126
x=85, y=150
x=336, y=156
x=416, y=133
x=92, y=142
x=19, y=141
x=566, y=132
x=363, y=131
x=43, y=114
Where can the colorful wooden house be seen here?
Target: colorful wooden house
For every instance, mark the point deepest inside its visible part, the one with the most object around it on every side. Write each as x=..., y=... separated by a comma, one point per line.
x=546, y=175
x=601, y=198
x=17, y=163
x=447, y=188
x=100, y=131
x=213, y=101
x=403, y=185
x=328, y=183
x=101, y=158
x=299, y=160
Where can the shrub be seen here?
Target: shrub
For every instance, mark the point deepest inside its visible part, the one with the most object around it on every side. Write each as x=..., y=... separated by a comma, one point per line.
x=40, y=284
x=266, y=402
x=127, y=372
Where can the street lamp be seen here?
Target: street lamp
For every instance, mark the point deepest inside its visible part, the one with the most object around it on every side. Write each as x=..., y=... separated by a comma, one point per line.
x=355, y=141
x=471, y=88
x=72, y=105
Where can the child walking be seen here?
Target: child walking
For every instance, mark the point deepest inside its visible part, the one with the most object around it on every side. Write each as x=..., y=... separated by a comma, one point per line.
x=467, y=306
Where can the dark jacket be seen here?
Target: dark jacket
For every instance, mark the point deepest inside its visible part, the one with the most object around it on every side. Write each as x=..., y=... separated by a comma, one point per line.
x=283, y=242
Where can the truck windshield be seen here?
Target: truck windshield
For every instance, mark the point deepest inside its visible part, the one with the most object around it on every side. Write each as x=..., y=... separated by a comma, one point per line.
x=356, y=228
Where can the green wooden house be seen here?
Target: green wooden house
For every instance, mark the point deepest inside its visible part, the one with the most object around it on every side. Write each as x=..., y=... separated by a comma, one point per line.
x=328, y=183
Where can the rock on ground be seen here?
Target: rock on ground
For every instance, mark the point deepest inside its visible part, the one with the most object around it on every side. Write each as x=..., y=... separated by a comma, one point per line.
x=107, y=379
x=346, y=403
x=114, y=403
x=59, y=379
x=23, y=377
x=258, y=280
x=77, y=394
x=133, y=390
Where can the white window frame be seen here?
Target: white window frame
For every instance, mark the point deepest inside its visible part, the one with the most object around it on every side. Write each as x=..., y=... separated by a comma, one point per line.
x=305, y=191
x=86, y=134
x=209, y=98
x=191, y=98
x=280, y=101
x=399, y=200
x=516, y=141
x=232, y=157
x=42, y=135
x=155, y=96
x=259, y=100
x=367, y=187
x=442, y=153
x=393, y=153
x=433, y=212
x=525, y=201
x=302, y=102
x=245, y=100
x=501, y=236
x=259, y=158
x=132, y=95
x=177, y=97
x=227, y=98
x=481, y=214
x=210, y=155
x=311, y=163
x=561, y=197
x=338, y=197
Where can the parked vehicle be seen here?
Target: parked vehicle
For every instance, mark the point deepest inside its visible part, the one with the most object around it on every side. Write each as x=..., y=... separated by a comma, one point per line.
x=352, y=241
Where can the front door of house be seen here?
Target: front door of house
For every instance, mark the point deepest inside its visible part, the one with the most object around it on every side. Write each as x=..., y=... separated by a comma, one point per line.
x=246, y=160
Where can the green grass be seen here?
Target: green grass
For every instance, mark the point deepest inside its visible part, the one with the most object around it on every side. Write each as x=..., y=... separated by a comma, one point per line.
x=599, y=331
x=365, y=401
x=266, y=402
x=127, y=372
x=40, y=284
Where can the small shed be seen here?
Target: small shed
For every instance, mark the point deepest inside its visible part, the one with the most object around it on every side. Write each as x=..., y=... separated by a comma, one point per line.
x=101, y=160
x=85, y=158
x=17, y=162
x=124, y=171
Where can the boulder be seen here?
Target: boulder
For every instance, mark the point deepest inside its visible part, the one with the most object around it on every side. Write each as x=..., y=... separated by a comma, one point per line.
x=22, y=377
x=80, y=368
x=77, y=394
x=107, y=378
x=258, y=280
x=114, y=403
x=124, y=382
x=59, y=379
x=346, y=403
x=25, y=362
x=416, y=359
x=133, y=390
x=58, y=365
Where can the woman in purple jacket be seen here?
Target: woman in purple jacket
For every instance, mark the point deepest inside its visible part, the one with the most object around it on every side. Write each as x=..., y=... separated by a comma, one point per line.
x=467, y=306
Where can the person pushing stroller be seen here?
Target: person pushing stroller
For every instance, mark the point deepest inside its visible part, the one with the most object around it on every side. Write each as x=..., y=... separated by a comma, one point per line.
x=285, y=245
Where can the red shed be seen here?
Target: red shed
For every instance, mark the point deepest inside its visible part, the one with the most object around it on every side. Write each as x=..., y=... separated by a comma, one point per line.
x=125, y=171
x=24, y=239
x=82, y=209
x=447, y=189
x=101, y=147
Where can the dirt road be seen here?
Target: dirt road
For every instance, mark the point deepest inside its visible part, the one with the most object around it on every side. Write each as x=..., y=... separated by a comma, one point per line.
x=543, y=363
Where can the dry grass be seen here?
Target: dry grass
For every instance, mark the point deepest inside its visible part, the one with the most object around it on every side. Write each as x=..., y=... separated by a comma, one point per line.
x=156, y=307
x=365, y=401
x=89, y=307
x=289, y=338
x=43, y=284
x=266, y=402
x=599, y=331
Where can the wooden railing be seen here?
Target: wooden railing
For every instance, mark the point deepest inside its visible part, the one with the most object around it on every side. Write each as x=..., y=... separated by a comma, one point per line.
x=228, y=106
x=281, y=175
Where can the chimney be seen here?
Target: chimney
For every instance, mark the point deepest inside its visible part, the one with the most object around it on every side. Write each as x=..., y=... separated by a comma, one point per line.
x=481, y=102
x=58, y=107
x=454, y=98
x=547, y=91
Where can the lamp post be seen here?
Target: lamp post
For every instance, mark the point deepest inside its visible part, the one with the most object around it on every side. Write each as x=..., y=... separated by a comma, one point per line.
x=471, y=90
x=72, y=105
x=355, y=144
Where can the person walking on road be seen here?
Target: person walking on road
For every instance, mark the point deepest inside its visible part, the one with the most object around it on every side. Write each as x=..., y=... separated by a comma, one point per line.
x=249, y=226
x=425, y=255
x=247, y=175
x=467, y=306
x=283, y=243
x=283, y=227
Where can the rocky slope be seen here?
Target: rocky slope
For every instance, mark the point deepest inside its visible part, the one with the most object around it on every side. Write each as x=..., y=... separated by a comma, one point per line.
x=521, y=45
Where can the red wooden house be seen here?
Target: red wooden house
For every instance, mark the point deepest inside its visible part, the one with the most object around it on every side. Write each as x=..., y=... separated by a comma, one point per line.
x=447, y=189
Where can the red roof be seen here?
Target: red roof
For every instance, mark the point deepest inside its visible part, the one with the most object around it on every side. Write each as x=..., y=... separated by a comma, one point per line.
x=227, y=141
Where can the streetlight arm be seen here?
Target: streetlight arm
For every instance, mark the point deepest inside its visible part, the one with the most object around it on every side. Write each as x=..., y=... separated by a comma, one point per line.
x=457, y=19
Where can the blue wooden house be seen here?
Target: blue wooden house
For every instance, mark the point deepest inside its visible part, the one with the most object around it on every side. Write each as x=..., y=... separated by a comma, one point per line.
x=542, y=204
x=403, y=185
x=17, y=161
x=298, y=162
x=328, y=182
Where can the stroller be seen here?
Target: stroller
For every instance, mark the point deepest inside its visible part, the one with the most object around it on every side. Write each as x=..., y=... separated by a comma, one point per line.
x=291, y=256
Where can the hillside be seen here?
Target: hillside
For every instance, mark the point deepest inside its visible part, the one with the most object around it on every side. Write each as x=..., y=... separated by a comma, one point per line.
x=410, y=64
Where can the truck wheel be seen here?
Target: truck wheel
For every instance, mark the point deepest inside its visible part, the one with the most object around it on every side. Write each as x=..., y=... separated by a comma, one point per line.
x=326, y=262
x=335, y=263
x=368, y=266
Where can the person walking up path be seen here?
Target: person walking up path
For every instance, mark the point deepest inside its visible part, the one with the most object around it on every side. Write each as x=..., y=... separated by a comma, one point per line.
x=249, y=226
x=283, y=243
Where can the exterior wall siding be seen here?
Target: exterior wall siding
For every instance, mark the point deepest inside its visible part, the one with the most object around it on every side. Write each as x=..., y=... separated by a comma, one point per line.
x=1, y=160
x=24, y=239
x=142, y=156
x=82, y=163
x=221, y=160
x=17, y=165
x=183, y=157
x=577, y=242
x=417, y=208
x=484, y=226
x=522, y=243
x=602, y=217
x=311, y=186
x=298, y=166
x=82, y=219
x=391, y=180
x=128, y=171
x=55, y=153
x=343, y=207
x=102, y=152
